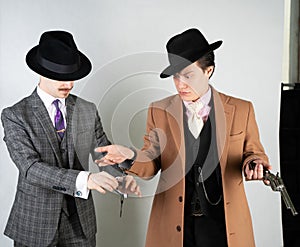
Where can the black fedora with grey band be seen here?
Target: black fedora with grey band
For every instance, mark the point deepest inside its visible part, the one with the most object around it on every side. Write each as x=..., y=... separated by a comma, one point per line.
x=186, y=48
x=57, y=57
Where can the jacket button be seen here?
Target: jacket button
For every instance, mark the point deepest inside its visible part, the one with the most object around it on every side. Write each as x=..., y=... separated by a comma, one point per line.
x=178, y=228
x=180, y=199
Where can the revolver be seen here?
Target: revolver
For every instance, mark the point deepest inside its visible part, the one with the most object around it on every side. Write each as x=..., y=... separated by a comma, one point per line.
x=277, y=184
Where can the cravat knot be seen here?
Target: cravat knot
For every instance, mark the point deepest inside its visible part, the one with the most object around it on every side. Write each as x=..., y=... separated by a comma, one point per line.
x=195, y=121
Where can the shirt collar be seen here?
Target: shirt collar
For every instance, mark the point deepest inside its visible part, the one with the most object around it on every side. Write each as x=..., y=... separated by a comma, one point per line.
x=47, y=98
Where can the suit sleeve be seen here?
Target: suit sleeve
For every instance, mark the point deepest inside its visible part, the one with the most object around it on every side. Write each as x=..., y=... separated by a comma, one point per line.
x=102, y=140
x=28, y=160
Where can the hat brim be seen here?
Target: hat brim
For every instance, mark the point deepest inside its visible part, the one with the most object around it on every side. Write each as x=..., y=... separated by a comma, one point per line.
x=83, y=70
x=181, y=60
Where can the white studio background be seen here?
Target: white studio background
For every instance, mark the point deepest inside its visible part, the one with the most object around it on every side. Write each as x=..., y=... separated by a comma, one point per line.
x=125, y=41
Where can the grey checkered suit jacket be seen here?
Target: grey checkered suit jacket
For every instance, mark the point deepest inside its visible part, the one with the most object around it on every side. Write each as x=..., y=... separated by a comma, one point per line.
x=34, y=148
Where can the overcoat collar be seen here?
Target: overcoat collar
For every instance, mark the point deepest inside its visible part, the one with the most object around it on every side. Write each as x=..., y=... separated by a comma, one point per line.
x=224, y=112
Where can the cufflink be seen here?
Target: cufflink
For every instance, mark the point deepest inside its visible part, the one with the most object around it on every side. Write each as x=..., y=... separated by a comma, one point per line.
x=78, y=193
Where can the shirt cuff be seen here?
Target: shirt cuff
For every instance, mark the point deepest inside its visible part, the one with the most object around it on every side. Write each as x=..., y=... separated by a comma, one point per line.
x=81, y=185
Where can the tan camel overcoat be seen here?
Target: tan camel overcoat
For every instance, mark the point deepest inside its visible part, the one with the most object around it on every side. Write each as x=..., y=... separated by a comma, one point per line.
x=164, y=150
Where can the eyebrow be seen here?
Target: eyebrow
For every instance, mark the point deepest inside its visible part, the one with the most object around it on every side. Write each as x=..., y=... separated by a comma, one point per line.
x=188, y=72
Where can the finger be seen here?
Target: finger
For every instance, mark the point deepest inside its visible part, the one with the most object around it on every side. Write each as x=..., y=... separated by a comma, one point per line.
x=255, y=172
x=249, y=173
x=260, y=171
x=108, y=187
x=108, y=184
x=97, y=187
x=132, y=186
x=104, y=162
x=101, y=163
x=129, y=181
x=111, y=181
x=114, y=158
x=106, y=174
x=102, y=149
x=100, y=189
x=138, y=191
x=105, y=180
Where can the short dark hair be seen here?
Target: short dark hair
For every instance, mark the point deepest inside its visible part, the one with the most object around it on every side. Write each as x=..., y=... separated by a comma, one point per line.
x=207, y=60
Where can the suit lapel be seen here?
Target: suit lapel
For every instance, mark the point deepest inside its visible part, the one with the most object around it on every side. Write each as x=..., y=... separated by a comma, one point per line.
x=71, y=128
x=175, y=121
x=42, y=115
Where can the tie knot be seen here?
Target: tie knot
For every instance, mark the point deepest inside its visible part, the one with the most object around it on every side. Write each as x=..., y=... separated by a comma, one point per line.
x=55, y=103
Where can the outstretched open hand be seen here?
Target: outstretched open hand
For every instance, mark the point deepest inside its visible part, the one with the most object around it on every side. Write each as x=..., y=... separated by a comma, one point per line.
x=115, y=154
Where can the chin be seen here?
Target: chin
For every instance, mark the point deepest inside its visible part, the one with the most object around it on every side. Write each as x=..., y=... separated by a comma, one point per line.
x=186, y=98
x=64, y=96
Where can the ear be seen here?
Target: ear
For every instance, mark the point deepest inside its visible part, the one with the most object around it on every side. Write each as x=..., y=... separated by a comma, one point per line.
x=209, y=70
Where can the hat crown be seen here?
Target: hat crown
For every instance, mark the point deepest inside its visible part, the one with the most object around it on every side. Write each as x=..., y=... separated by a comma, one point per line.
x=186, y=48
x=191, y=39
x=58, y=47
x=57, y=57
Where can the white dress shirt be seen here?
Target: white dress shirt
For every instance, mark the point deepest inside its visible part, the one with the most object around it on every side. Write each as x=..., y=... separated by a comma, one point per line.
x=81, y=181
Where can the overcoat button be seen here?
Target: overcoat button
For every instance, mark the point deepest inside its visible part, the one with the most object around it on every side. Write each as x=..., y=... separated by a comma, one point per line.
x=178, y=228
x=180, y=198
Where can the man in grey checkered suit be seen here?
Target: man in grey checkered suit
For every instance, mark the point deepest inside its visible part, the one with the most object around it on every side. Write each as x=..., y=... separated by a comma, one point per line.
x=49, y=136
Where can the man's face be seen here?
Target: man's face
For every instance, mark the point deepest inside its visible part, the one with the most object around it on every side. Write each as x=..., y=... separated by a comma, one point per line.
x=192, y=82
x=58, y=89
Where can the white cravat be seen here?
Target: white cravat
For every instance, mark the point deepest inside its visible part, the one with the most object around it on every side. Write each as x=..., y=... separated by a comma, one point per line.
x=195, y=121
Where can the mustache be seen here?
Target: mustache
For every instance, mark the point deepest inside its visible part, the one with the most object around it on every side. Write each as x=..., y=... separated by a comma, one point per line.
x=63, y=89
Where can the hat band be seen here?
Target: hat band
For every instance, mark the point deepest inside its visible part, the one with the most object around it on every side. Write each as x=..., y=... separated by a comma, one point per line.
x=58, y=68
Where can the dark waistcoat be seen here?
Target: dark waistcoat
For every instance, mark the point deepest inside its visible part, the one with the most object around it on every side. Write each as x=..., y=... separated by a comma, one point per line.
x=202, y=152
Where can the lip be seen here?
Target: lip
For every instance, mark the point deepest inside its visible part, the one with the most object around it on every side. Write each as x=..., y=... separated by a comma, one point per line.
x=184, y=93
x=65, y=90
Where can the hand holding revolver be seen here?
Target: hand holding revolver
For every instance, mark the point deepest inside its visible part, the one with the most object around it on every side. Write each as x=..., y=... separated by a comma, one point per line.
x=258, y=170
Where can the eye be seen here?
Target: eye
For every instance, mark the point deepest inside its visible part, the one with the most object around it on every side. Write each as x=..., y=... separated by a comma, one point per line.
x=188, y=76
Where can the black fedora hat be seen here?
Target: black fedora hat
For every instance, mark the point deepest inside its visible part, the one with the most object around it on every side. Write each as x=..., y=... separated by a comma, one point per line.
x=57, y=57
x=186, y=48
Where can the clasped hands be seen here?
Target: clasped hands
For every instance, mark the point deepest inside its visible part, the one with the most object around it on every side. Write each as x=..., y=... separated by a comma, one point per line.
x=103, y=181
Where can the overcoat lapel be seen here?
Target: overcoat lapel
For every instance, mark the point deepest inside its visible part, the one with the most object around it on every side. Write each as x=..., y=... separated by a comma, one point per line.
x=42, y=115
x=175, y=120
x=173, y=170
x=224, y=116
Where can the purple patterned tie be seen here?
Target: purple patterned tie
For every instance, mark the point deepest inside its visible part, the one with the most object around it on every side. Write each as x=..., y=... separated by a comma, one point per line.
x=59, y=120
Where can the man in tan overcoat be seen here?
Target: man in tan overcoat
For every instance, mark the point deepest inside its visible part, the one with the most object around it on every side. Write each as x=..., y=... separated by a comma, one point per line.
x=202, y=142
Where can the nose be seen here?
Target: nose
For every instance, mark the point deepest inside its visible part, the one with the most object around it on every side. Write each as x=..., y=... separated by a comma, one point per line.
x=68, y=84
x=180, y=83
